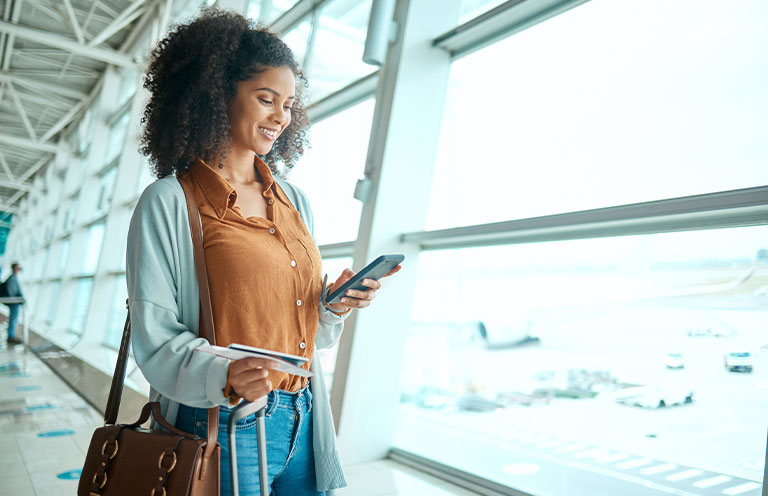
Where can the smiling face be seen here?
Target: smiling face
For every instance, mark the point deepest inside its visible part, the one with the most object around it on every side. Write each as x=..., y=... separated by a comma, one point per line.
x=261, y=109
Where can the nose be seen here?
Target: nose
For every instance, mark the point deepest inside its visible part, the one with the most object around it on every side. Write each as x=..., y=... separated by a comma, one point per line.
x=281, y=116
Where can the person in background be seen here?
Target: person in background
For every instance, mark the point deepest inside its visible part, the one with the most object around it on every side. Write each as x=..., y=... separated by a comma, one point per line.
x=12, y=289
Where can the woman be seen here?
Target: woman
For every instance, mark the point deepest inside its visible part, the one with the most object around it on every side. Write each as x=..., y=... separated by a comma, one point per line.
x=223, y=111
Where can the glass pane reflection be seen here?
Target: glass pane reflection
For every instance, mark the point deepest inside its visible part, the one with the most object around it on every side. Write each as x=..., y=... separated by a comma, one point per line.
x=591, y=353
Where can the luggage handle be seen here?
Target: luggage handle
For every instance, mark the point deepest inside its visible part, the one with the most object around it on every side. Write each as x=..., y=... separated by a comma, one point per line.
x=241, y=411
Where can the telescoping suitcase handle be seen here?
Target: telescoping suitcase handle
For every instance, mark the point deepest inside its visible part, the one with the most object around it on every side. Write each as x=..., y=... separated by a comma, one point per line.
x=240, y=412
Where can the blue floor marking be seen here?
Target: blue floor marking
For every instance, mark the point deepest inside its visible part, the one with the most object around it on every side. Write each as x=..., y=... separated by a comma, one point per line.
x=70, y=475
x=28, y=388
x=63, y=432
x=35, y=408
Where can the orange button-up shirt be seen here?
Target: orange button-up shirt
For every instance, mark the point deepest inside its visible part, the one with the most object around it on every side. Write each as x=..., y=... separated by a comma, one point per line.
x=264, y=274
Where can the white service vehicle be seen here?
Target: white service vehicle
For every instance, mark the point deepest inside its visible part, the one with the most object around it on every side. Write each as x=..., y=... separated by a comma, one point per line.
x=738, y=361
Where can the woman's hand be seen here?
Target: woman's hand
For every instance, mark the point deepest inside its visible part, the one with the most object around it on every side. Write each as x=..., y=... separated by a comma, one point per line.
x=248, y=378
x=355, y=298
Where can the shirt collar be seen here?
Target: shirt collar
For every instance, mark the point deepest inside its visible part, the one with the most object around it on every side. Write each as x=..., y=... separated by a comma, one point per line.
x=220, y=194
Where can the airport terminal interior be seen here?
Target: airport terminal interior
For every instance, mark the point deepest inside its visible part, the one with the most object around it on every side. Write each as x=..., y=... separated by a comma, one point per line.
x=579, y=188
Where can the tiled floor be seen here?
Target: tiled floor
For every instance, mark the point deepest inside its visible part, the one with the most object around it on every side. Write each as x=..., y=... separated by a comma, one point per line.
x=45, y=429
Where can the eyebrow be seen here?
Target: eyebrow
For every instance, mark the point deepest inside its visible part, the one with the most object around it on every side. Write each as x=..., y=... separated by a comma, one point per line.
x=274, y=92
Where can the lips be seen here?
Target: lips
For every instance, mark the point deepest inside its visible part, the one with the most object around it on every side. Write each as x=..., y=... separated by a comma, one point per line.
x=270, y=134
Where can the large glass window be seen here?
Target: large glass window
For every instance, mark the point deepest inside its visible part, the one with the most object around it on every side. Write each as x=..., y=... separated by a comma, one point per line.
x=268, y=11
x=117, y=314
x=106, y=191
x=116, y=138
x=53, y=301
x=80, y=306
x=93, y=248
x=636, y=364
x=329, y=171
x=586, y=110
x=63, y=257
x=336, y=57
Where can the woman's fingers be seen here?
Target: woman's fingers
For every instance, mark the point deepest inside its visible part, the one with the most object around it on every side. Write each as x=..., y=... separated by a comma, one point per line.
x=249, y=378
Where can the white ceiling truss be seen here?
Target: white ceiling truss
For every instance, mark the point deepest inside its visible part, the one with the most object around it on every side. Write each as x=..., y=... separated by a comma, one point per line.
x=53, y=54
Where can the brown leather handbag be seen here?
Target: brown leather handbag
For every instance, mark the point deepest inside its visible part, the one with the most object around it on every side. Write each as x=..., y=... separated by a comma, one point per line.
x=125, y=459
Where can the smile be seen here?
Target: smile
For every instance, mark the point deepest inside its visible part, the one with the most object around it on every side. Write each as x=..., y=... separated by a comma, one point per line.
x=271, y=134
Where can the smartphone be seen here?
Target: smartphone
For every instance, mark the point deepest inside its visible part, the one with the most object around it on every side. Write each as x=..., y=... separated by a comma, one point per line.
x=374, y=270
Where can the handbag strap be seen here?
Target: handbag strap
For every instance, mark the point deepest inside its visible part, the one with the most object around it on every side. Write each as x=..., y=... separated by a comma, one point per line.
x=118, y=378
x=206, y=326
x=206, y=310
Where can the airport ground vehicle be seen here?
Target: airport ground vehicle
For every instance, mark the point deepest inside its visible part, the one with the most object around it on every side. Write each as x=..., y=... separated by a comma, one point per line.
x=674, y=361
x=654, y=397
x=738, y=361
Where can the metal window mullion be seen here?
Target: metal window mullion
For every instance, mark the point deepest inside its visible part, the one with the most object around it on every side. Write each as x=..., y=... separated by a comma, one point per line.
x=295, y=15
x=344, y=98
x=505, y=20
x=738, y=208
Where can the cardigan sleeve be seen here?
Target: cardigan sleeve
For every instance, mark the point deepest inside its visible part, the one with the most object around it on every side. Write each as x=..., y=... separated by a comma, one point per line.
x=163, y=345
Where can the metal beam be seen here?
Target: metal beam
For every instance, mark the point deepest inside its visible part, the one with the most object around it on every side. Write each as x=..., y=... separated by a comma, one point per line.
x=65, y=119
x=75, y=24
x=27, y=143
x=5, y=63
x=295, y=15
x=124, y=19
x=37, y=165
x=505, y=20
x=15, y=185
x=6, y=168
x=337, y=250
x=351, y=94
x=737, y=208
x=13, y=199
x=22, y=112
x=42, y=86
x=56, y=41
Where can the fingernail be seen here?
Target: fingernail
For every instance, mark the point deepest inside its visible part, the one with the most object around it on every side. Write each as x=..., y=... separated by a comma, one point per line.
x=349, y=292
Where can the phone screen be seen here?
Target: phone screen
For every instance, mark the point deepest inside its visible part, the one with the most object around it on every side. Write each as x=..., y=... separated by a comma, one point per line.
x=374, y=270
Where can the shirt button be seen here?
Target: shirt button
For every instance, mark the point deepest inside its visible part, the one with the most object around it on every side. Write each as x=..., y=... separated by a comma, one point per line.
x=271, y=230
x=293, y=263
x=298, y=303
x=302, y=345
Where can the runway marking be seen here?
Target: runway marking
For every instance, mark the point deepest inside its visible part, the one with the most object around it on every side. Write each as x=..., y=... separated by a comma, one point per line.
x=637, y=462
x=571, y=447
x=552, y=443
x=591, y=453
x=741, y=488
x=664, y=467
x=685, y=474
x=712, y=481
x=614, y=457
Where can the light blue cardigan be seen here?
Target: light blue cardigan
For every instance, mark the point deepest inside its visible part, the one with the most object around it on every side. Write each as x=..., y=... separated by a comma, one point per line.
x=165, y=306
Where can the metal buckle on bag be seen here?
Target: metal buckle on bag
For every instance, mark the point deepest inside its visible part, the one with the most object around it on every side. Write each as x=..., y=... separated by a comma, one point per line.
x=93, y=481
x=104, y=448
x=162, y=457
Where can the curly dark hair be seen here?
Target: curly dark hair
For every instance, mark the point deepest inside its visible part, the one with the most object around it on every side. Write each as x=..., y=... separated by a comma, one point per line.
x=193, y=76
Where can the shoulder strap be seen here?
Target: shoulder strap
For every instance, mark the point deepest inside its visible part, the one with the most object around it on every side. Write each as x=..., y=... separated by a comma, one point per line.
x=195, y=226
x=206, y=326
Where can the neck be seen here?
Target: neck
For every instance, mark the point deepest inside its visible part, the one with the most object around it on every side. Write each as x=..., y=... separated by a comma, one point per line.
x=237, y=167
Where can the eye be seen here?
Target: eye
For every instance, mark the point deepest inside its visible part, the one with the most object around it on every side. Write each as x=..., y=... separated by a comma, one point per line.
x=265, y=101
x=288, y=108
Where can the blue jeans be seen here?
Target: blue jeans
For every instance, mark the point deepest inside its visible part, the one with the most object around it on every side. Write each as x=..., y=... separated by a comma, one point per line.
x=290, y=459
x=13, y=318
